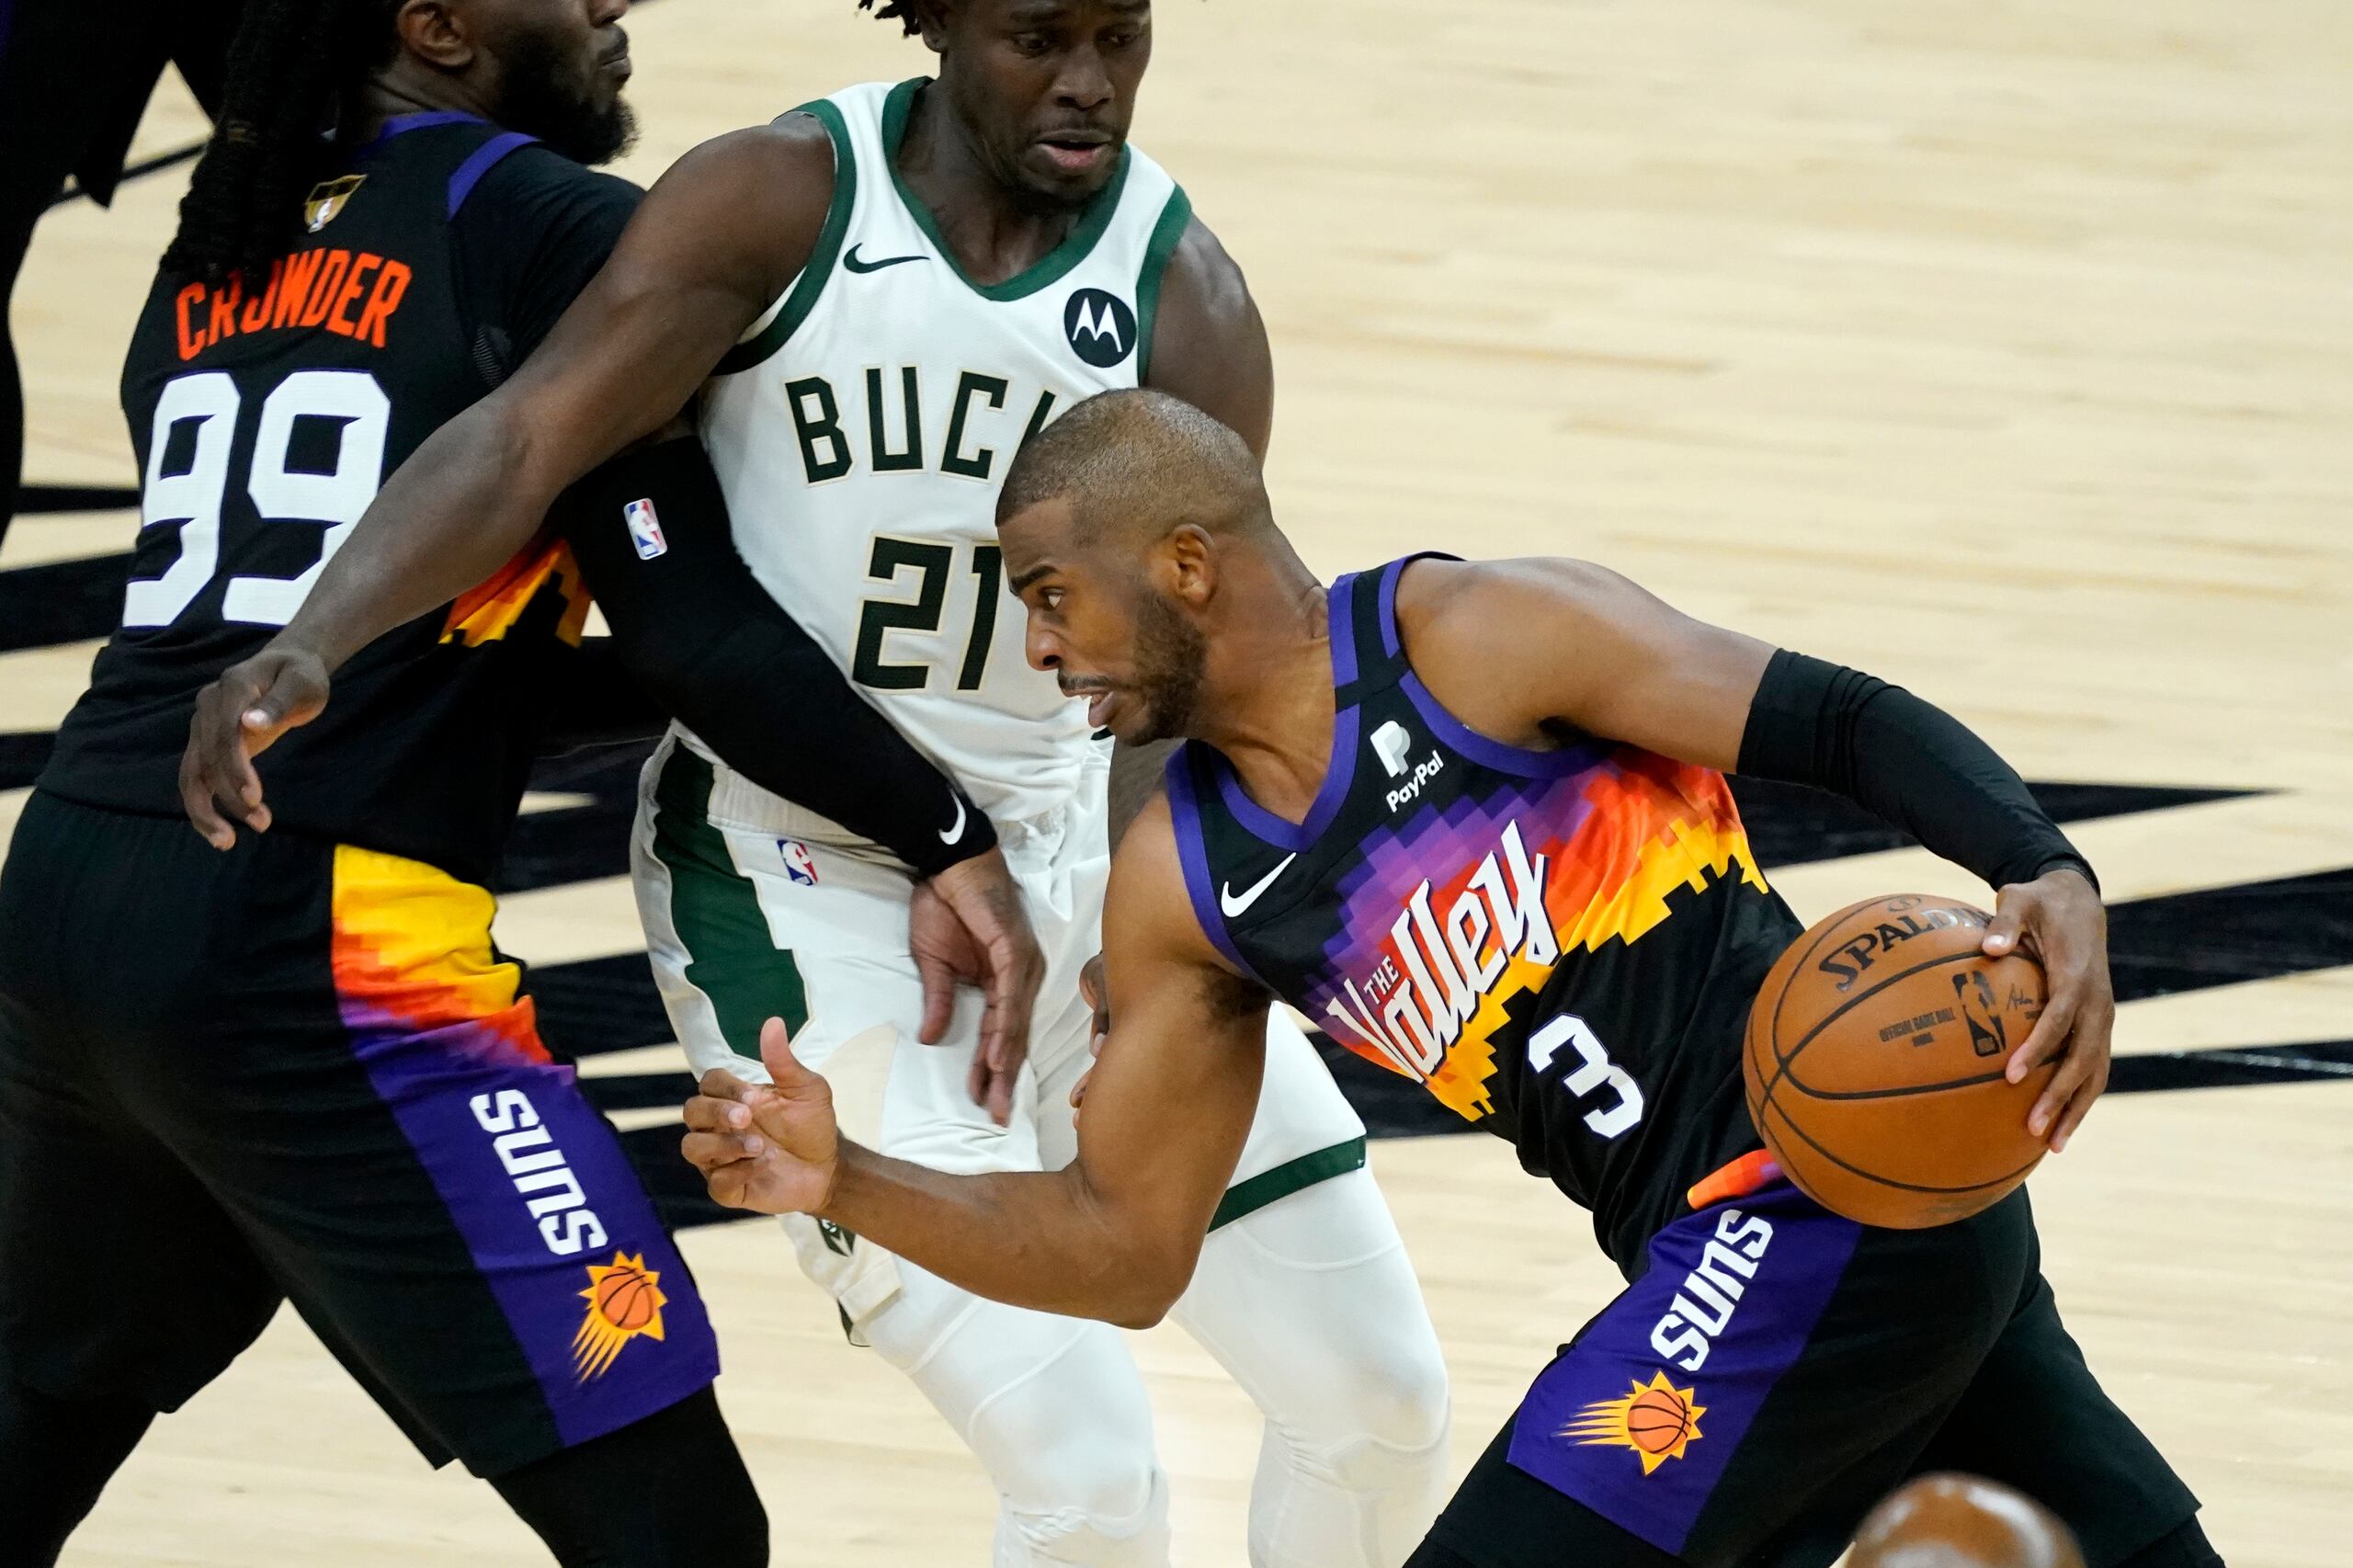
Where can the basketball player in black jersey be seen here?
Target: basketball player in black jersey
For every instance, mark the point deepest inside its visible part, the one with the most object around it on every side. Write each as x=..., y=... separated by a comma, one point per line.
x=1472, y=819
x=289, y=1065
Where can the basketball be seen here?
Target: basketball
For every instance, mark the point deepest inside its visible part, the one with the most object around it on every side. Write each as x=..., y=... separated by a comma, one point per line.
x=1874, y=1063
x=1657, y=1421
x=626, y=1300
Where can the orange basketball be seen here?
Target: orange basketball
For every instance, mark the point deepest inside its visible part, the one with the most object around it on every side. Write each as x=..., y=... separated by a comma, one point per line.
x=626, y=1300
x=1657, y=1421
x=1874, y=1063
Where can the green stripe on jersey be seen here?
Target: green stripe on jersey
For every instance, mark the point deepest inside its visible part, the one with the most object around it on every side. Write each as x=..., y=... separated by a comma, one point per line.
x=812, y=281
x=1166, y=236
x=1292, y=1175
x=732, y=959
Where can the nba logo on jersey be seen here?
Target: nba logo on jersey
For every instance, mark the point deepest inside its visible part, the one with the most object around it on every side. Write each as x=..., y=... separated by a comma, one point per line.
x=799, y=864
x=644, y=529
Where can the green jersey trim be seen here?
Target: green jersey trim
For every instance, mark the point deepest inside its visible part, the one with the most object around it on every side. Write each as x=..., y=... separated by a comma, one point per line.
x=731, y=959
x=1292, y=1175
x=1166, y=236
x=1048, y=269
x=812, y=281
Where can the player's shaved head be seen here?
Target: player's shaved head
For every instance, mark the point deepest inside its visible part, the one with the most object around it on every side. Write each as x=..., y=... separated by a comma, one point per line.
x=1135, y=465
x=1136, y=529
x=1960, y=1521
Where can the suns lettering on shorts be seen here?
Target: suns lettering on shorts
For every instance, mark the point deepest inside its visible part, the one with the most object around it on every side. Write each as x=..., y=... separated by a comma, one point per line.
x=625, y=1303
x=1657, y=1419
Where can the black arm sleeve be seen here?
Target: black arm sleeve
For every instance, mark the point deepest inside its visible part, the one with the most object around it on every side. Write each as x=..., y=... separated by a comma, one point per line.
x=1904, y=760
x=702, y=636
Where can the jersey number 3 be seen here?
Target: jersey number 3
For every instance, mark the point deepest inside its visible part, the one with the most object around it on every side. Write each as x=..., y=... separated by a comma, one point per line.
x=1593, y=1072
x=193, y=495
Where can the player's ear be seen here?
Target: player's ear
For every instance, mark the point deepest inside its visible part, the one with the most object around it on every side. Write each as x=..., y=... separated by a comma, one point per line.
x=435, y=33
x=931, y=17
x=1189, y=564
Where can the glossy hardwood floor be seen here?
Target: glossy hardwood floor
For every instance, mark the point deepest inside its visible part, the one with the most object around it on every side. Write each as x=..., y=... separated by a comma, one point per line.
x=2003, y=350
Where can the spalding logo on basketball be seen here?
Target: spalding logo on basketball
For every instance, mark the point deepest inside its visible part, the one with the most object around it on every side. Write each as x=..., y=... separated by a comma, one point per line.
x=1876, y=1062
x=1101, y=329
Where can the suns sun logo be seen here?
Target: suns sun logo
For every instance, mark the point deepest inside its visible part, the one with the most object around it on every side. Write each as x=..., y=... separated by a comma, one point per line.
x=1657, y=1419
x=625, y=1301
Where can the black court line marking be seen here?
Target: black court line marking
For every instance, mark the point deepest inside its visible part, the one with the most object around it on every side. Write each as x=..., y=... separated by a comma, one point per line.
x=140, y=170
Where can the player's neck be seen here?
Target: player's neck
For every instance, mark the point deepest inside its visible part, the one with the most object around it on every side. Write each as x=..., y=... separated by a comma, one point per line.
x=995, y=233
x=1267, y=704
x=395, y=91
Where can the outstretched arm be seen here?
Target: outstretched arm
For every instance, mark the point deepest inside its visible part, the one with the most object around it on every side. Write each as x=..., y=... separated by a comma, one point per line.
x=1112, y=1235
x=1587, y=650
x=715, y=240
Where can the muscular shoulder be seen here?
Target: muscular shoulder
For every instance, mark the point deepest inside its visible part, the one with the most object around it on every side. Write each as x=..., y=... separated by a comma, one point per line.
x=1151, y=933
x=1497, y=641
x=1208, y=343
x=752, y=201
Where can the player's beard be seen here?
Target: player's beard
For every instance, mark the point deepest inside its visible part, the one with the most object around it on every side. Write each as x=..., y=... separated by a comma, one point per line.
x=1170, y=655
x=539, y=100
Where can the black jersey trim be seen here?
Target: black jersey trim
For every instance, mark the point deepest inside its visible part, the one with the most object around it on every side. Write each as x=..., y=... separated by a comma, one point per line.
x=1246, y=1198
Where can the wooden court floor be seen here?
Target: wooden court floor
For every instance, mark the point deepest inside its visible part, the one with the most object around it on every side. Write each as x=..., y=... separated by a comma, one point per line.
x=2003, y=350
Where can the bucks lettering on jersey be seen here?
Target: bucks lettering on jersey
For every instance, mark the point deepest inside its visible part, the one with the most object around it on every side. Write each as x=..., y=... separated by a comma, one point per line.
x=1560, y=946
x=863, y=428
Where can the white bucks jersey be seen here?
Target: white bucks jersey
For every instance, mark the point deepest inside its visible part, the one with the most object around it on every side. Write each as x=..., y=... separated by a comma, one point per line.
x=863, y=428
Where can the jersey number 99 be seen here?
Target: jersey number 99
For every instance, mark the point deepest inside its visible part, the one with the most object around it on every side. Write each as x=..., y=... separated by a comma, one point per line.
x=193, y=497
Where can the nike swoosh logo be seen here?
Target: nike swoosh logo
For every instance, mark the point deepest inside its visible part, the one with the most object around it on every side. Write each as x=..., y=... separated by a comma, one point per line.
x=953, y=833
x=1234, y=907
x=855, y=265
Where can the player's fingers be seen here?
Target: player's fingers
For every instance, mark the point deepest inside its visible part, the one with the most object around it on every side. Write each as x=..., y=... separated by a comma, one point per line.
x=2079, y=1108
x=721, y=1084
x=938, y=997
x=705, y=1114
x=785, y=1071
x=2044, y=1040
x=998, y=1099
x=196, y=799
x=2074, y=1069
x=2003, y=931
x=709, y=1151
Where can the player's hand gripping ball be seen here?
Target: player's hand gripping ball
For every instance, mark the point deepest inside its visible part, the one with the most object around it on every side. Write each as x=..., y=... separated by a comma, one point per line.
x=1875, y=1063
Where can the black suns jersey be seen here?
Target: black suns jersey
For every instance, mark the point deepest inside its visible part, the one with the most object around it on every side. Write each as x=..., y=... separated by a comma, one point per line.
x=266, y=411
x=1560, y=946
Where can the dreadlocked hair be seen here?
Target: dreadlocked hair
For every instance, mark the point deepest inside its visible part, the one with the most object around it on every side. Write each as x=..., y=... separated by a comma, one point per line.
x=900, y=11
x=290, y=63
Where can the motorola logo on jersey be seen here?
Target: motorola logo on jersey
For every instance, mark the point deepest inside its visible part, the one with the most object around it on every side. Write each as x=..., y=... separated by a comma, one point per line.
x=1101, y=329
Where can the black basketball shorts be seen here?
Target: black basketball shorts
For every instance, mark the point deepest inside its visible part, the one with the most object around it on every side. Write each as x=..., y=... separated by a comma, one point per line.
x=299, y=1071
x=1776, y=1370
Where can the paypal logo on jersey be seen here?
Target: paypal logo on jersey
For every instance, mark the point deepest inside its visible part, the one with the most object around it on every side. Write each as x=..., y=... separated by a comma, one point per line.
x=1393, y=743
x=1100, y=326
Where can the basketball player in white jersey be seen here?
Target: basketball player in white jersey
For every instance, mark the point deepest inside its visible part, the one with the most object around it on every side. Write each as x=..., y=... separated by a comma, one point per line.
x=888, y=289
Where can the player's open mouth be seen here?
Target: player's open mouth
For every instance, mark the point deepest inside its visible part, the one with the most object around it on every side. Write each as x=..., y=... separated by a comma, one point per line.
x=1075, y=152
x=1099, y=707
